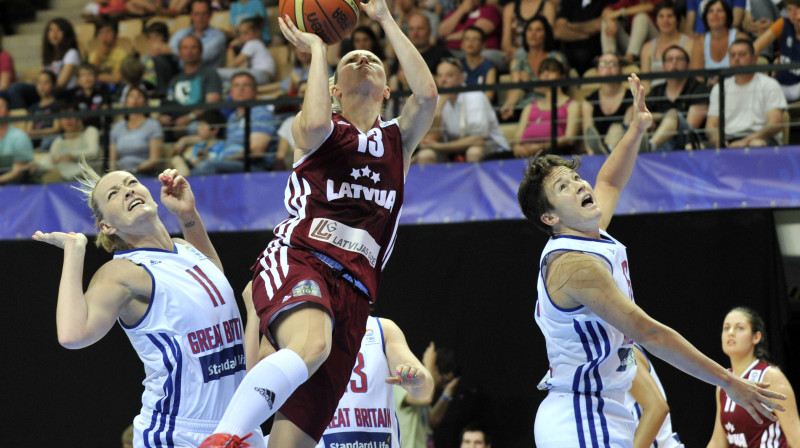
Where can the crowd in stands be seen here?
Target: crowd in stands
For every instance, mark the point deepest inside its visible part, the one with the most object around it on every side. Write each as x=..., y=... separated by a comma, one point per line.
x=196, y=52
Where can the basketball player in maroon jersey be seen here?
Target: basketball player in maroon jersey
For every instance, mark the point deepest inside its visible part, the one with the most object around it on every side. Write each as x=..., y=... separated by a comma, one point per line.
x=744, y=340
x=313, y=284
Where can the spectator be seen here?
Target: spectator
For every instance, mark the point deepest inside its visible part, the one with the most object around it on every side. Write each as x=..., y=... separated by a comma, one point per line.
x=142, y=8
x=538, y=45
x=40, y=128
x=284, y=157
x=59, y=55
x=254, y=57
x=289, y=84
x=196, y=84
x=712, y=50
x=262, y=128
x=90, y=95
x=465, y=128
x=160, y=65
x=533, y=132
x=77, y=142
x=471, y=12
x=403, y=9
x=100, y=8
x=627, y=23
x=786, y=31
x=419, y=33
x=136, y=139
x=7, y=73
x=478, y=70
x=132, y=73
x=213, y=39
x=109, y=55
x=578, y=27
x=16, y=151
x=604, y=111
x=191, y=150
x=695, y=24
x=668, y=35
x=127, y=437
x=759, y=15
x=247, y=9
x=754, y=105
x=679, y=106
x=475, y=437
x=516, y=15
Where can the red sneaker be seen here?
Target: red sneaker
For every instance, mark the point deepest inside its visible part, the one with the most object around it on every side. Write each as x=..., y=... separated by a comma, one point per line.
x=225, y=441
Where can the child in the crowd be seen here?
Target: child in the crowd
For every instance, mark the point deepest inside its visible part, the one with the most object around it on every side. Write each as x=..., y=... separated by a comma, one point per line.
x=245, y=9
x=254, y=55
x=207, y=144
x=42, y=130
x=109, y=55
x=90, y=94
x=160, y=65
x=132, y=71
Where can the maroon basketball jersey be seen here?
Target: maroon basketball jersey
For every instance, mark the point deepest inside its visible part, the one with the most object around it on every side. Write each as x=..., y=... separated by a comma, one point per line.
x=740, y=428
x=345, y=197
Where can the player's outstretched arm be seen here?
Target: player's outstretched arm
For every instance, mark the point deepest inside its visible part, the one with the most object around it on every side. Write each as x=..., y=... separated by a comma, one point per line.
x=617, y=169
x=407, y=371
x=587, y=281
x=313, y=123
x=177, y=196
x=654, y=407
x=417, y=114
x=84, y=318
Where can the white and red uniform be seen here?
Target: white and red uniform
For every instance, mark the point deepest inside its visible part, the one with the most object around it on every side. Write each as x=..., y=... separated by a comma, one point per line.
x=740, y=428
x=344, y=200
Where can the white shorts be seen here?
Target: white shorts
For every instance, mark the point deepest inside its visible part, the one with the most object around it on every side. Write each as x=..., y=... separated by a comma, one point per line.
x=184, y=433
x=584, y=421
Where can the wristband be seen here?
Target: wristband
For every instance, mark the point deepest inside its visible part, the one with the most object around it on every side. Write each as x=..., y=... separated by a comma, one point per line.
x=193, y=116
x=446, y=398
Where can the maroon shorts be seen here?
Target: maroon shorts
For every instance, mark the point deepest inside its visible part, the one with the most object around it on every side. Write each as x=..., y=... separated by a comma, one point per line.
x=290, y=277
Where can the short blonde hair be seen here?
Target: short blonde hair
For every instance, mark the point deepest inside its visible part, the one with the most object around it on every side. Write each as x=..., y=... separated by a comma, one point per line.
x=87, y=183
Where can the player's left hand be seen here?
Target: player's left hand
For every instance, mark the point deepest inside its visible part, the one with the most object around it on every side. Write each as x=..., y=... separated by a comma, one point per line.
x=375, y=9
x=642, y=118
x=407, y=375
x=176, y=194
x=301, y=40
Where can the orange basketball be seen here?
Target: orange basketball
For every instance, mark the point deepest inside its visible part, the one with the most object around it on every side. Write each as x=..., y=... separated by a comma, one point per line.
x=332, y=20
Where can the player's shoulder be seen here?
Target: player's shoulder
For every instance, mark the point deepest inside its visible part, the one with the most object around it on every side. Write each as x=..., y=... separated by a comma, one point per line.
x=121, y=271
x=773, y=374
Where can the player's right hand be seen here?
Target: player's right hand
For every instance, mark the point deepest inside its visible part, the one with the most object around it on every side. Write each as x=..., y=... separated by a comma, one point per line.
x=755, y=398
x=60, y=239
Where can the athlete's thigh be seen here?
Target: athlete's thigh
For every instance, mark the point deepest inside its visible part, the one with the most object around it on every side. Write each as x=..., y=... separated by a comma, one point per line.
x=567, y=419
x=286, y=434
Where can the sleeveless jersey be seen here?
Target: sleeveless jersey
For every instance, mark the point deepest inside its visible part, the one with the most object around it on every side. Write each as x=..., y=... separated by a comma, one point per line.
x=190, y=340
x=345, y=198
x=365, y=416
x=586, y=354
x=740, y=428
x=665, y=438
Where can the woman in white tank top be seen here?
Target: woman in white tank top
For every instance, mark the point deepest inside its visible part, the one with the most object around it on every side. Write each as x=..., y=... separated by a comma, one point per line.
x=669, y=35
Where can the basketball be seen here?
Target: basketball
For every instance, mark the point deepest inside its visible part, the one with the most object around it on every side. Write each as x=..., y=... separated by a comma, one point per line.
x=331, y=20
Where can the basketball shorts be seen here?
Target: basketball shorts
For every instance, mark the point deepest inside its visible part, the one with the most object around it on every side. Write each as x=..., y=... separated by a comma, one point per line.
x=149, y=432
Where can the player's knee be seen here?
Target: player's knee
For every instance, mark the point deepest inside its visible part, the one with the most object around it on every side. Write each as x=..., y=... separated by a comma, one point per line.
x=474, y=154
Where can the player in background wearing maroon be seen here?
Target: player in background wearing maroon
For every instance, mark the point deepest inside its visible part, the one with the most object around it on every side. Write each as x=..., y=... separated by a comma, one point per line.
x=314, y=283
x=744, y=340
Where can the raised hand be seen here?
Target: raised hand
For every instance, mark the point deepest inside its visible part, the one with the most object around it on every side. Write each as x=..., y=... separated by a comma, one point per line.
x=642, y=118
x=176, y=194
x=376, y=9
x=301, y=40
x=755, y=398
x=407, y=375
x=60, y=239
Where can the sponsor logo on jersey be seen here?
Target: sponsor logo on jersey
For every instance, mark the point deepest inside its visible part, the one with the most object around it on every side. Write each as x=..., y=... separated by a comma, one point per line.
x=343, y=123
x=384, y=198
x=267, y=394
x=626, y=358
x=195, y=252
x=222, y=363
x=357, y=439
x=345, y=237
x=754, y=375
x=306, y=288
x=369, y=337
x=154, y=262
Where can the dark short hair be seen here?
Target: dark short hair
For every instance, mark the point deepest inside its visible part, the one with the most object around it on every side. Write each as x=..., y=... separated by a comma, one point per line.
x=88, y=66
x=531, y=193
x=666, y=4
x=746, y=43
x=551, y=64
x=206, y=2
x=549, y=39
x=50, y=75
x=725, y=6
x=452, y=61
x=472, y=427
x=213, y=117
x=446, y=361
x=159, y=28
x=245, y=73
x=106, y=22
x=255, y=22
x=675, y=47
x=477, y=30
x=191, y=36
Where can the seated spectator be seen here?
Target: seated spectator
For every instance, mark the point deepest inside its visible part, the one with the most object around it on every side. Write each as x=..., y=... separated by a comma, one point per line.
x=475, y=437
x=668, y=35
x=59, y=55
x=284, y=156
x=711, y=49
x=465, y=128
x=516, y=15
x=190, y=150
x=7, y=73
x=578, y=27
x=142, y=8
x=754, y=105
x=262, y=128
x=478, y=70
x=627, y=23
x=214, y=40
x=40, y=128
x=100, y=8
x=679, y=106
x=538, y=45
x=132, y=72
x=475, y=13
x=160, y=65
x=694, y=24
x=533, y=132
x=16, y=151
x=253, y=56
x=289, y=84
x=403, y=10
x=196, y=84
x=759, y=15
x=420, y=34
x=77, y=142
x=89, y=94
x=604, y=111
x=786, y=31
x=247, y=9
x=109, y=55
x=136, y=139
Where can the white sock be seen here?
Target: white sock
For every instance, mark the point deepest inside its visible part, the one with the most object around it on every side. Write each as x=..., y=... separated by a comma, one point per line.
x=263, y=391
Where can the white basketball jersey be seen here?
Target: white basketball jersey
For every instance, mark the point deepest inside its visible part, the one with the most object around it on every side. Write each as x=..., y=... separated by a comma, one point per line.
x=365, y=416
x=190, y=341
x=666, y=438
x=586, y=354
